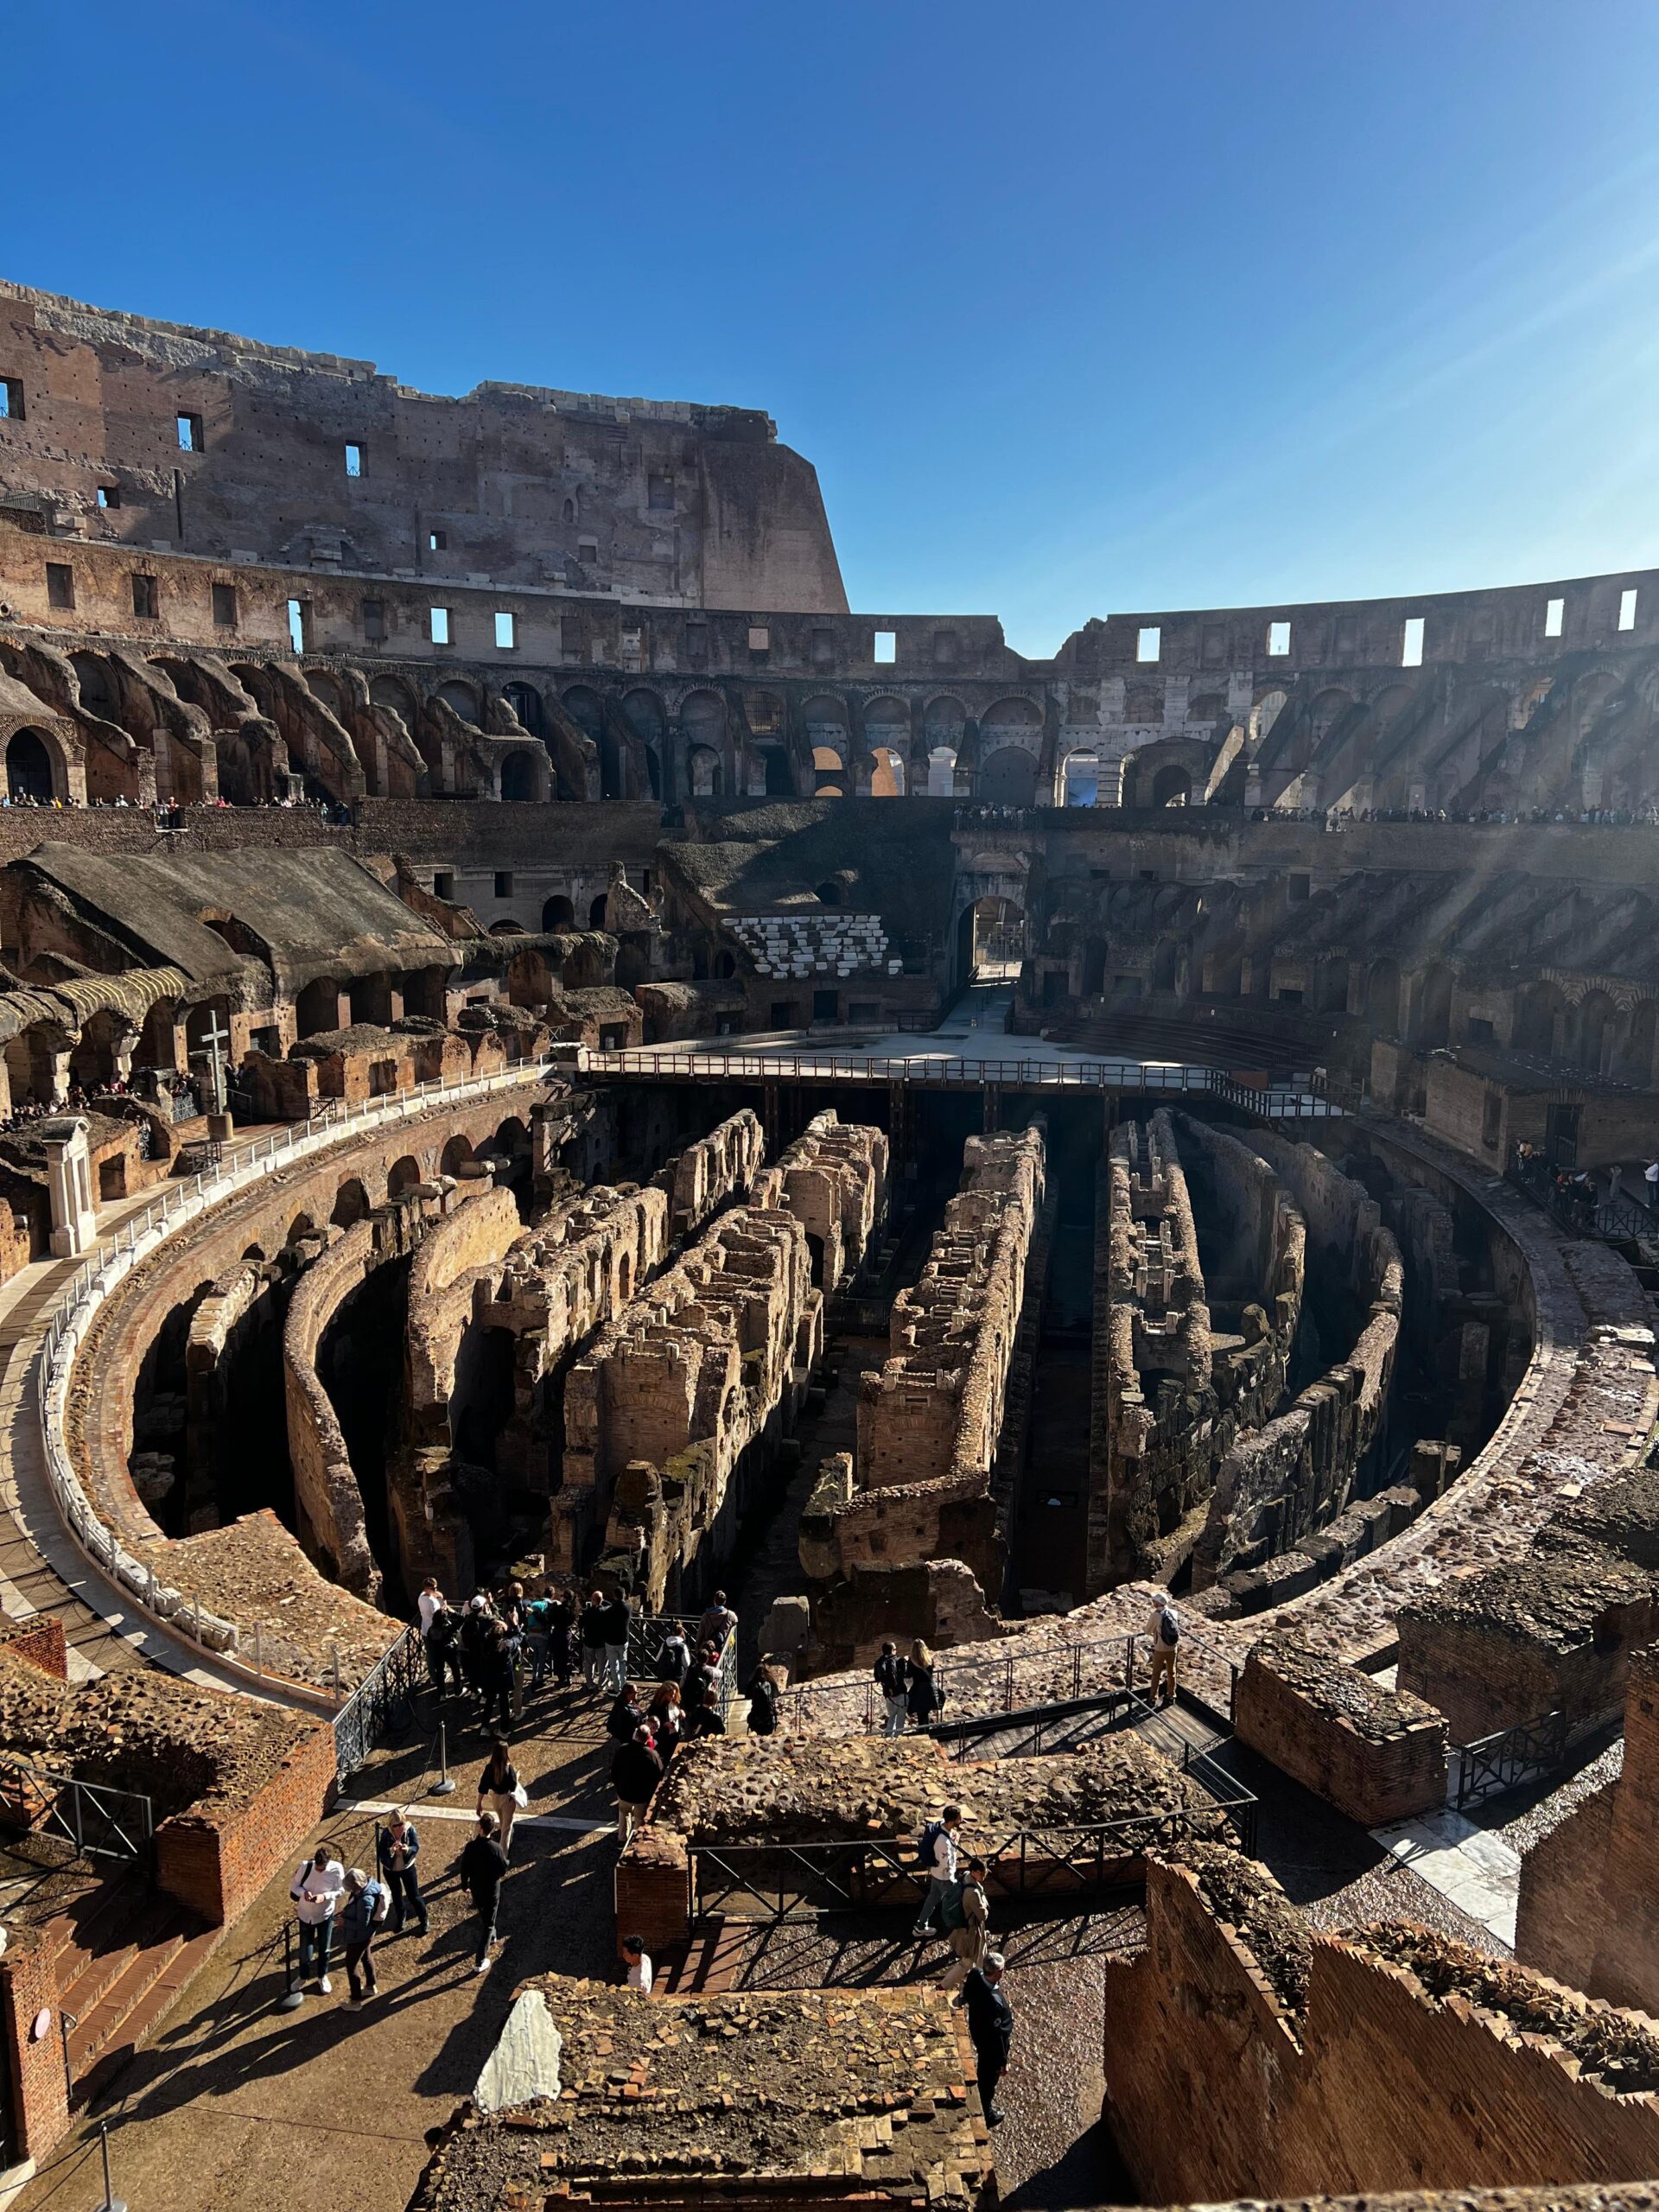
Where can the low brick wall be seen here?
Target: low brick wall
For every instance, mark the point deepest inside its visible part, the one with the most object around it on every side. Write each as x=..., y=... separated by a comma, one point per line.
x=28, y=1986
x=38, y=1639
x=218, y=1861
x=1376, y=1755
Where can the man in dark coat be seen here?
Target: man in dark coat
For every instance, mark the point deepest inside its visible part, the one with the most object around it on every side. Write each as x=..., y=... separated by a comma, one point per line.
x=990, y=2023
x=635, y=1772
x=483, y=1869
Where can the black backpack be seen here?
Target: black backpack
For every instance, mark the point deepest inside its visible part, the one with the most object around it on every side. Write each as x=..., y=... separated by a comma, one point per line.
x=1169, y=1630
x=925, y=1843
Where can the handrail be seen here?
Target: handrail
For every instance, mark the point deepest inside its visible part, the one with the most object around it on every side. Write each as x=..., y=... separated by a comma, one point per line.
x=72, y=1312
x=1183, y=1078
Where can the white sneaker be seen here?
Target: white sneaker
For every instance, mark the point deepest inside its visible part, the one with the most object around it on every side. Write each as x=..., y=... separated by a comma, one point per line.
x=326, y=1986
x=483, y=1967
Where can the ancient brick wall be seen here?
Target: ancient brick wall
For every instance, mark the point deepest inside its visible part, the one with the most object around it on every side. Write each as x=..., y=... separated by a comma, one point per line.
x=834, y=1179
x=1589, y=1904
x=1376, y=1755
x=1216, y=2084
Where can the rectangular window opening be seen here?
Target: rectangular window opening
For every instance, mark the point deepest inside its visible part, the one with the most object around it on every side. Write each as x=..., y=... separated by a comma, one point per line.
x=353, y=459
x=296, y=625
x=1278, y=640
x=60, y=584
x=436, y=541
x=1148, y=643
x=504, y=883
x=225, y=606
x=1627, y=609
x=1300, y=886
x=443, y=883
x=189, y=430
x=144, y=600
x=374, y=622
x=1411, y=644
x=12, y=400
x=660, y=493
x=109, y=495
x=505, y=638
x=886, y=648
x=759, y=638
x=1554, y=612
x=437, y=620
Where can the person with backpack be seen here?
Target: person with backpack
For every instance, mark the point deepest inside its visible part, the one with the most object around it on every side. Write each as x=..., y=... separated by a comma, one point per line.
x=316, y=1890
x=893, y=1679
x=936, y=1857
x=966, y=1919
x=537, y=1646
x=763, y=1702
x=635, y=1772
x=443, y=1650
x=361, y=1914
x=1164, y=1634
x=674, y=1659
x=923, y=1699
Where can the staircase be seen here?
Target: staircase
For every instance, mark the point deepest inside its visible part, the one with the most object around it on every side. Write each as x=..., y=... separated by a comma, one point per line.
x=123, y=1953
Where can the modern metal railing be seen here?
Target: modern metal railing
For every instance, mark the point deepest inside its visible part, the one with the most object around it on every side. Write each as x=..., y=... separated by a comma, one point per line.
x=1001, y=1684
x=649, y=1632
x=97, y=1822
x=71, y=1315
x=875, y=1873
x=383, y=1698
x=1506, y=1760
x=941, y=1069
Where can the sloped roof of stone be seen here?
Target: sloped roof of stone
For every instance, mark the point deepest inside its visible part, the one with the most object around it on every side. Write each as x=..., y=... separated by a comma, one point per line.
x=316, y=911
x=888, y=857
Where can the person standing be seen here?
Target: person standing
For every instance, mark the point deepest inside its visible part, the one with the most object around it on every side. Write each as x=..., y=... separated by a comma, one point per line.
x=717, y=1622
x=936, y=1854
x=477, y=1633
x=763, y=1702
x=923, y=1699
x=316, y=1890
x=1650, y=1178
x=483, y=1869
x=497, y=1653
x=537, y=1645
x=638, y=1962
x=705, y=1718
x=674, y=1661
x=1164, y=1634
x=592, y=1632
x=499, y=1791
x=666, y=1722
x=966, y=1918
x=990, y=2024
x=431, y=1605
x=561, y=1635
x=635, y=1772
x=893, y=1679
x=362, y=1913
x=616, y=1618
x=396, y=1848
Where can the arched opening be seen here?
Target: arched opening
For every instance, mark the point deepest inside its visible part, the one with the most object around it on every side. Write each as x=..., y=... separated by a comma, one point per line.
x=557, y=914
x=28, y=766
x=301, y=1225
x=526, y=703
x=725, y=966
x=702, y=769
x=887, y=773
x=1172, y=786
x=989, y=940
x=402, y=1176
x=829, y=893
x=1009, y=776
x=1382, y=996
x=1598, y=1017
x=1538, y=1019
x=829, y=773
x=351, y=1203
x=1434, y=1026
x=1166, y=964
x=1080, y=780
x=456, y=1154
x=461, y=699
x=774, y=763
x=317, y=1010
x=517, y=777
x=596, y=911
x=942, y=773
x=1331, y=990
x=506, y=927
x=1635, y=1060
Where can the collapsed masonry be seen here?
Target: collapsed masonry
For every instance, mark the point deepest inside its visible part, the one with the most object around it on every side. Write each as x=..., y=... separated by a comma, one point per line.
x=674, y=1416
x=905, y=1542
x=1202, y=1320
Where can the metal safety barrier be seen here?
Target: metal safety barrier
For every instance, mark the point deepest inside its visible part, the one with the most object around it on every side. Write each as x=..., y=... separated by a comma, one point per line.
x=96, y=1821
x=1528, y=1752
x=72, y=1313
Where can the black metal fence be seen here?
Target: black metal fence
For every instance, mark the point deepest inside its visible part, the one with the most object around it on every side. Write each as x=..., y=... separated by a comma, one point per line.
x=874, y=1874
x=384, y=1699
x=1581, y=1209
x=1508, y=1760
x=92, y=1821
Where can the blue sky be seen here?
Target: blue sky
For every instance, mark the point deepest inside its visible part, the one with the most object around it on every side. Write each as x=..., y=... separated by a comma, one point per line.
x=1078, y=309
